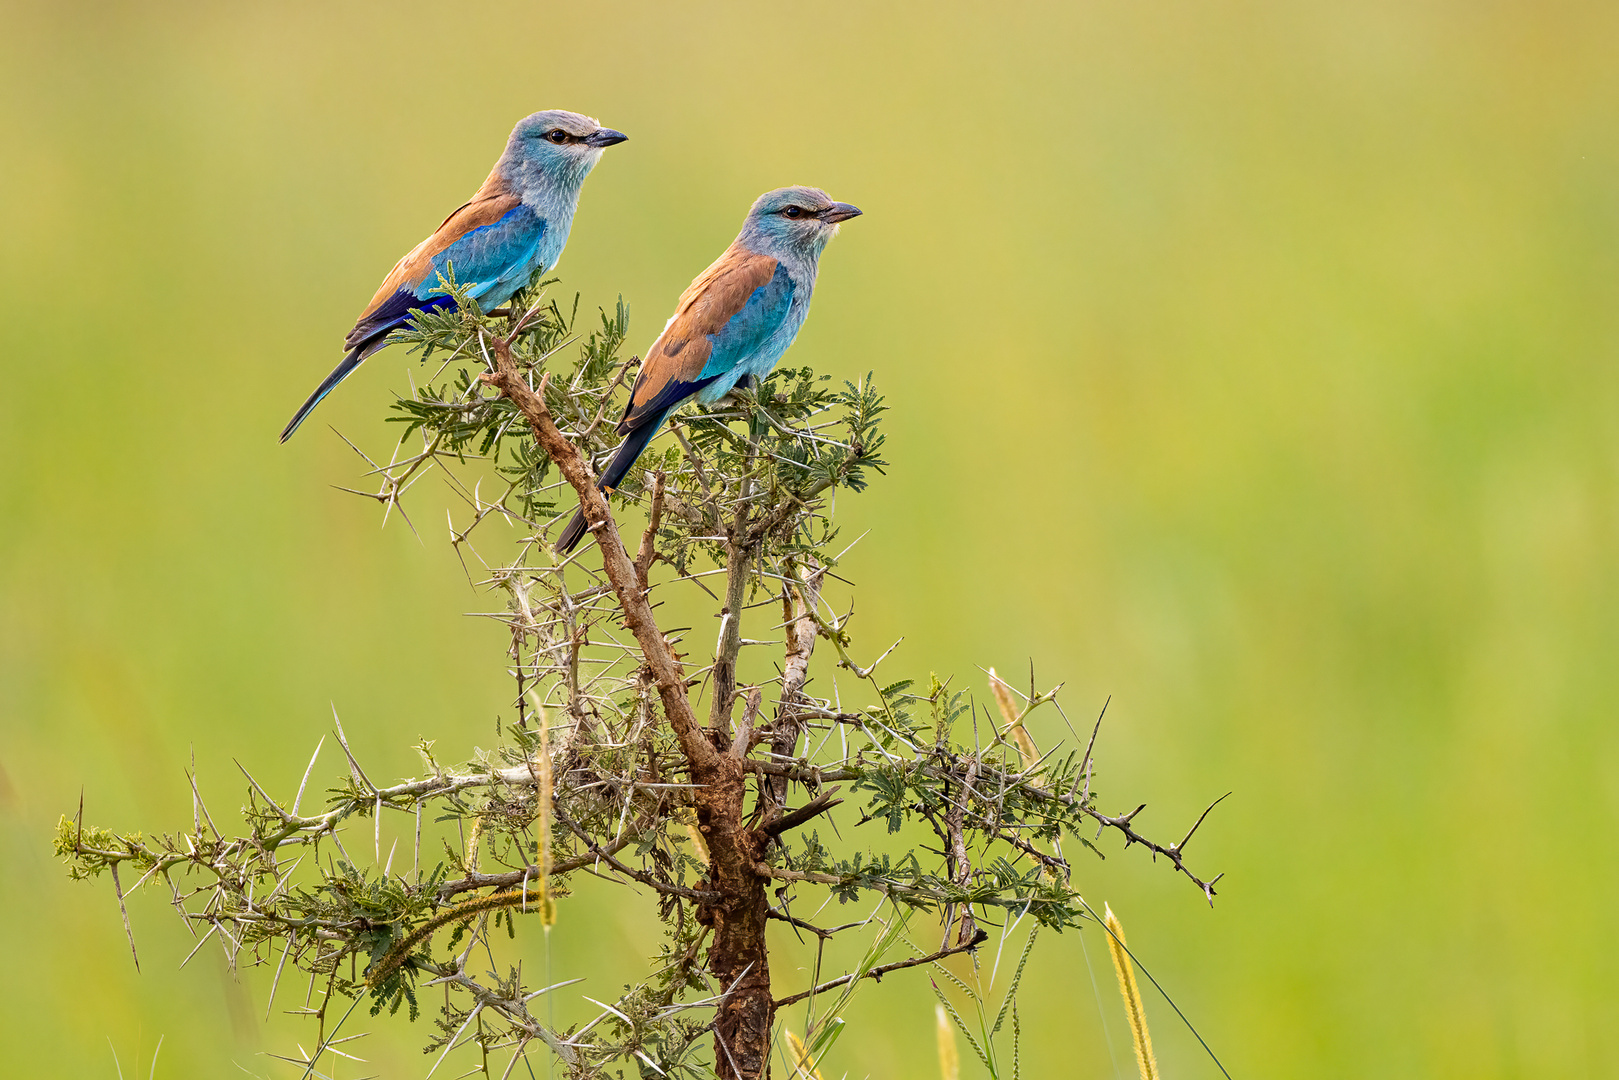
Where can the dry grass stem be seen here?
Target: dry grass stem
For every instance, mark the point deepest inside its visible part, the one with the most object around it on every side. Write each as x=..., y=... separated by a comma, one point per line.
x=949, y=1064
x=1131, y=993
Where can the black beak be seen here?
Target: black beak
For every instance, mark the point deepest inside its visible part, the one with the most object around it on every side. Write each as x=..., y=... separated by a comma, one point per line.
x=839, y=211
x=604, y=137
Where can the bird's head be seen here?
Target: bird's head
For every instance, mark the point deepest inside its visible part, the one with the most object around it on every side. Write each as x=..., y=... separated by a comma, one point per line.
x=556, y=148
x=794, y=219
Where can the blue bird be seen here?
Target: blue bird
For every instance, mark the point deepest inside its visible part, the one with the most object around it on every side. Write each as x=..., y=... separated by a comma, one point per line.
x=732, y=324
x=515, y=226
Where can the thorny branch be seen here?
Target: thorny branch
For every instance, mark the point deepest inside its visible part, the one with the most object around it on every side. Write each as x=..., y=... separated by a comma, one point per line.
x=977, y=939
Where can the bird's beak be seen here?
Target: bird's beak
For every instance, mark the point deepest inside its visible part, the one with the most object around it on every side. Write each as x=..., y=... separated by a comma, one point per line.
x=604, y=137
x=839, y=211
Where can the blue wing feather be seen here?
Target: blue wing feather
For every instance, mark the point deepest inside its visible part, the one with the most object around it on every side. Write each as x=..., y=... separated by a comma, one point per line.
x=498, y=259
x=753, y=339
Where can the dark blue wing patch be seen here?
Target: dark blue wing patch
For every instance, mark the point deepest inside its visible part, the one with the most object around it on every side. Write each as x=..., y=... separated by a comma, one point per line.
x=394, y=313
x=652, y=412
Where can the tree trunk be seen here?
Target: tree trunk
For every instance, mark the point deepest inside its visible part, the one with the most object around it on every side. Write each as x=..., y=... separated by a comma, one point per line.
x=737, y=958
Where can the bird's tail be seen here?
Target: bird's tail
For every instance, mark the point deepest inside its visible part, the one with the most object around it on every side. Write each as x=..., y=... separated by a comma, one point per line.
x=339, y=373
x=628, y=451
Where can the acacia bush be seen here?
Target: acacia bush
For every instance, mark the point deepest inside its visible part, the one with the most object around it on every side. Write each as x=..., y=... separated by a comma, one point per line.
x=710, y=783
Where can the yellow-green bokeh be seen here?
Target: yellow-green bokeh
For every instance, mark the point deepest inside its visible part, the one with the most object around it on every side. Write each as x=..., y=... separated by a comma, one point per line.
x=1255, y=363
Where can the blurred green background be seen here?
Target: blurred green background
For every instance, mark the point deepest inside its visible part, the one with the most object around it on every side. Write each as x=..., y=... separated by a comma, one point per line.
x=1252, y=363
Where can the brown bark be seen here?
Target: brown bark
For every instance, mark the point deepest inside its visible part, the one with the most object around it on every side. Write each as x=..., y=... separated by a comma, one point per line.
x=737, y=958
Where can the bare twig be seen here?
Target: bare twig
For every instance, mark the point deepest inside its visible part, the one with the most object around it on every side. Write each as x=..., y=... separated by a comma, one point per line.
x=794, y=818
x=977, y=939
x=798, y=603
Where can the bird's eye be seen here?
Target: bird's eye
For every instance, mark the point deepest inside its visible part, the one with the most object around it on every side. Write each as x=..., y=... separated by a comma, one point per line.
x=558, y=136
x=792, y=212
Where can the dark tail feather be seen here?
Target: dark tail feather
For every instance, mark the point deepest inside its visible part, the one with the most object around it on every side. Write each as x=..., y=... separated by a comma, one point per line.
x=571, y=535
x=628, y=451
x=339, y=373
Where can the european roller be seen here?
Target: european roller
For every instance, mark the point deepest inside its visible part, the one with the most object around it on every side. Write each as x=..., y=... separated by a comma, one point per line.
x=515, y=226
x=732, y=324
